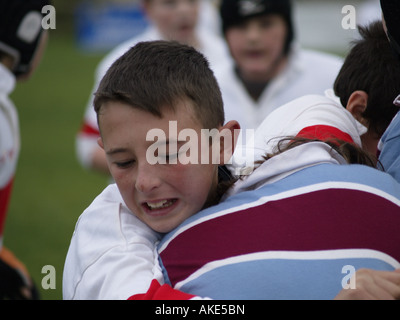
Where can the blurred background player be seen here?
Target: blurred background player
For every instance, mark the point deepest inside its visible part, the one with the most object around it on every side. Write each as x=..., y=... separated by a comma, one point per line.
x=177, y=20
x=22, y=41
x=270, y=68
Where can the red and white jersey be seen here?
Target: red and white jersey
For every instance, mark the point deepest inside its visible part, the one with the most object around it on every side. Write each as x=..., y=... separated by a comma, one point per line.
x=9, y=142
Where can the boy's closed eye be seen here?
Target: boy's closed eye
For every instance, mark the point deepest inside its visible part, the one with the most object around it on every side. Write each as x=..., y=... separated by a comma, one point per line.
x=168, y=152
x=124, y=164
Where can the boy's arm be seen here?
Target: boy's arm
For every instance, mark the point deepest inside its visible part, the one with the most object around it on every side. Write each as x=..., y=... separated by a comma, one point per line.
x=112, y=254
x=373, y=285
x=114, y=275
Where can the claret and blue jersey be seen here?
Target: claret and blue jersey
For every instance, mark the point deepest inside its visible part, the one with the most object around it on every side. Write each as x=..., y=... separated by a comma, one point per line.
x=291, y=239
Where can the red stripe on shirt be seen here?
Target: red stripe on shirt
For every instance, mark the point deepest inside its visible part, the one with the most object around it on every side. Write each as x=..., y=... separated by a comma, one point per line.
x=5, y=196
x=89, y=130
x=324, y=133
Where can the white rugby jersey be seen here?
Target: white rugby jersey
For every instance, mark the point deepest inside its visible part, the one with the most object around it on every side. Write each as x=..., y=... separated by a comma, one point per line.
x=307, y=72
x=9, y=142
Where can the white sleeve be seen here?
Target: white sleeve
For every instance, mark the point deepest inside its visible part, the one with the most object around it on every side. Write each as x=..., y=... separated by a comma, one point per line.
x=112, y=254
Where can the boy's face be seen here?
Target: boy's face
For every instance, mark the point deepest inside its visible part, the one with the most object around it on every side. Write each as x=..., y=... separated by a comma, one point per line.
x=161, y=195
x=257, y=45
x=175, y=19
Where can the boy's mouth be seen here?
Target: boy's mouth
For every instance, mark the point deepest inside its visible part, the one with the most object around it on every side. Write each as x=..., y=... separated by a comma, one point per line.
x=157, y=205
x=254, y=54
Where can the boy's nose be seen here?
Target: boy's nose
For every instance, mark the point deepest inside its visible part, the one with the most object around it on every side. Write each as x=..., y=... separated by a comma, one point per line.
x=186, y=5
x=147, y=180
x=252, y=32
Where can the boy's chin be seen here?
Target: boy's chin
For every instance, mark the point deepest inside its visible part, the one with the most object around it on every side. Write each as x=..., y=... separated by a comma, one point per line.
x=163, y=229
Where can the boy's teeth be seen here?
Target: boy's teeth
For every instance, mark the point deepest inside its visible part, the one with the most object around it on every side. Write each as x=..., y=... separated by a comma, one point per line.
x=156, y=204
x=160, y=204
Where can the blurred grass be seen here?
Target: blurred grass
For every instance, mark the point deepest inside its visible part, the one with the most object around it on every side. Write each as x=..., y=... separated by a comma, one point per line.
x=51, y=188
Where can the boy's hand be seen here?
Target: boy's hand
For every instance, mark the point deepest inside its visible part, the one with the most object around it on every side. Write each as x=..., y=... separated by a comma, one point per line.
x=373, y=285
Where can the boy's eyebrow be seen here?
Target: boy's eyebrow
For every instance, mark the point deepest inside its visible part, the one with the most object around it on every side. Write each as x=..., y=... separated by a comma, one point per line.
x=167, y=142
x=158, y=143
x=116, y=150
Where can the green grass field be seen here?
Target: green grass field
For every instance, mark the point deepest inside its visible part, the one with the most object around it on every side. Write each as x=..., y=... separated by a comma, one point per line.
x=51, y=188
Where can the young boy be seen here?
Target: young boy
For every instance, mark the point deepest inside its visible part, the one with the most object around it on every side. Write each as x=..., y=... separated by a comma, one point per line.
x=269, y=68
x=112, y=253
x=369, y=82
x=169, y=20
x=22, y=41
x=366, y=86
x=160, y=86
x=273, y=193
x=292, y=227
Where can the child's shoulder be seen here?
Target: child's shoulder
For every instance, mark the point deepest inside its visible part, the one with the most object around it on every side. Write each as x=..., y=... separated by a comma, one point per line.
x=108, y=217
x=106, y=225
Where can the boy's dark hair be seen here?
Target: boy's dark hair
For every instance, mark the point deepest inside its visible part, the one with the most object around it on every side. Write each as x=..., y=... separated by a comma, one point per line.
x=157, y=74
x=371, y=66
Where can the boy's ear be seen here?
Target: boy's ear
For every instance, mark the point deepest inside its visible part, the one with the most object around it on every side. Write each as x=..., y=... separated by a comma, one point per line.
x=229, y=135
x=100, y=143
x=357, y=104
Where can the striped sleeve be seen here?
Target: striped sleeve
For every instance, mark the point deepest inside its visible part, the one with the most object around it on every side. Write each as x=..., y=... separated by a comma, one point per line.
x=294, y=239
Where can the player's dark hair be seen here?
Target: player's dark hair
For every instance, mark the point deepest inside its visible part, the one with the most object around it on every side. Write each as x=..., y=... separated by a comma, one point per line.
x=158, y=74
x=371, y=66
x=351, y=152
x=236, y=12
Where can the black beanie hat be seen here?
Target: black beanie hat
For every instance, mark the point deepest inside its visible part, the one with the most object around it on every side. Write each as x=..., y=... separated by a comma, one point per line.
x=234, y=12
x=20, y=31
x=391, y=12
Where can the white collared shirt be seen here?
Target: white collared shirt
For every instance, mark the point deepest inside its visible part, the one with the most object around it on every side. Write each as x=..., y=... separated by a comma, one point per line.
x=9, y=128
x=307, y=72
